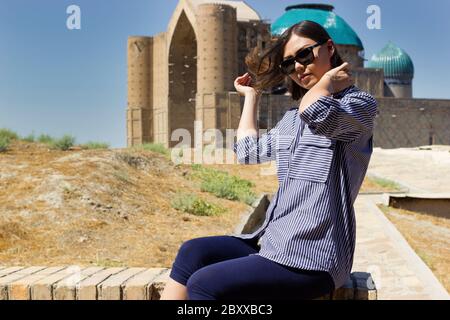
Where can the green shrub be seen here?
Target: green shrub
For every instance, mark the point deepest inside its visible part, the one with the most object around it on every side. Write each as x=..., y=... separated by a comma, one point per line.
x=109, y=263
x=95, y=145
x=8, y=134
x=4, y=143
x=29, y=138
x=155, y=147
x=45, y=138
x=194, y=205
x=122, y=176
x=385, y=183
x=223, y=185
x=63, y=143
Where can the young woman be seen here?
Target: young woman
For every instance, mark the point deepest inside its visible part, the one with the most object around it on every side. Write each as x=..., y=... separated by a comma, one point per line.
x=304, y=249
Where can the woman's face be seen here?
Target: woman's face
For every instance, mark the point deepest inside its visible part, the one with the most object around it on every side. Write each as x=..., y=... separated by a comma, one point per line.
x=307, y=77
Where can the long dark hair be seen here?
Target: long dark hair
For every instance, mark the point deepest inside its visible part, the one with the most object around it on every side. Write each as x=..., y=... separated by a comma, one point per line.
x=263, y=66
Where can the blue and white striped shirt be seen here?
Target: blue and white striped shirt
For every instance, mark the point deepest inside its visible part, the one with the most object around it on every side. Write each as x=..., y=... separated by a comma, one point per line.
x=322, y=157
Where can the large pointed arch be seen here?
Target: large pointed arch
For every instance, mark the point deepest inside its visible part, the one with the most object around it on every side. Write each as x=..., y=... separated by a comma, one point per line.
x=183, y=7
x=182, y=62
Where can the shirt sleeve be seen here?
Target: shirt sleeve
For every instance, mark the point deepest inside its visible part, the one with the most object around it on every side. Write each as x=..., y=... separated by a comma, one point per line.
x=342, y=119
x=256, y=150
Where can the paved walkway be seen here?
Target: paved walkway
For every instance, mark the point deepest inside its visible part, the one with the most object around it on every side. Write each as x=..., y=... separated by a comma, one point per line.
x=380, y=249
x=399, y=274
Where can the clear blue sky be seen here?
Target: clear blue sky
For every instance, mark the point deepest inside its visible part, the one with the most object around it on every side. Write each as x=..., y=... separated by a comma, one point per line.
x=57, y=81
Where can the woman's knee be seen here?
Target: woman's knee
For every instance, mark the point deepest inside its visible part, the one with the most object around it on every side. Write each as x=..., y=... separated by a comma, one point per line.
x=194, y=254
x=188, y=260
x=200, y=286
x=188, y=245
x=212, y=249
x=193, y=249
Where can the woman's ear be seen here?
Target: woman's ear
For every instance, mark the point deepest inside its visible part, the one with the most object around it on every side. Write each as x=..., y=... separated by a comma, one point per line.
x=332, y=53
x=330, y=47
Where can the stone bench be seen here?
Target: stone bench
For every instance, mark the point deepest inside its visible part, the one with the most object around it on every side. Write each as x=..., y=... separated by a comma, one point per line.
x=360, y=286
x=97, y=283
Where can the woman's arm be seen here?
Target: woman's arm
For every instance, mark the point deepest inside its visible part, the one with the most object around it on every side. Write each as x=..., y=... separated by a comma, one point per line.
x=250, y=148
x=247, y=123
x=333, y=81
x=342, y=119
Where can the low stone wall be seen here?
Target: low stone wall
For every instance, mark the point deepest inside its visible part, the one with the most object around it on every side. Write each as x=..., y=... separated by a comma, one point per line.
x=97, y=283
x=75, y=283
x=432, y=204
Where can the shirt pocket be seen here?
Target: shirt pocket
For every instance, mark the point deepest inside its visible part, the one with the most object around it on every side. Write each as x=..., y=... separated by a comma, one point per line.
x=312, y=158
x=283, y=147
x=284, y=142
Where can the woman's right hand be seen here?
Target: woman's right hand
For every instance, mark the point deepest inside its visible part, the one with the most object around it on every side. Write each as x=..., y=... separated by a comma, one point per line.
x=243, y=85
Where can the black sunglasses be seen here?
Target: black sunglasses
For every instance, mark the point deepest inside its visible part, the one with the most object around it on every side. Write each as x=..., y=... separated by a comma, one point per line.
x=304, y=56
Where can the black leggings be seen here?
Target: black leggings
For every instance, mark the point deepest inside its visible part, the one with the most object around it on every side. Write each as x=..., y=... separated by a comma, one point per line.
x=222, y=267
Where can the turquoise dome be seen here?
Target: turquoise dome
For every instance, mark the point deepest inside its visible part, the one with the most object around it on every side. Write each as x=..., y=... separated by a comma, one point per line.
x=337, y=28
x=395, y=62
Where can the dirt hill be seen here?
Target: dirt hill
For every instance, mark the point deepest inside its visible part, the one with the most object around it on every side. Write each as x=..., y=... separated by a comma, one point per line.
x=100, y=207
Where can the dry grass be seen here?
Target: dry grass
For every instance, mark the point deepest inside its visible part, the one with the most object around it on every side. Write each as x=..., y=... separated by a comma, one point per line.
x=428, y=235
x=106, y=207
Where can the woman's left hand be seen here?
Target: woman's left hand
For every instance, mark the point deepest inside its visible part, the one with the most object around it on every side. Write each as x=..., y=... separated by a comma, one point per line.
x=340, y=77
